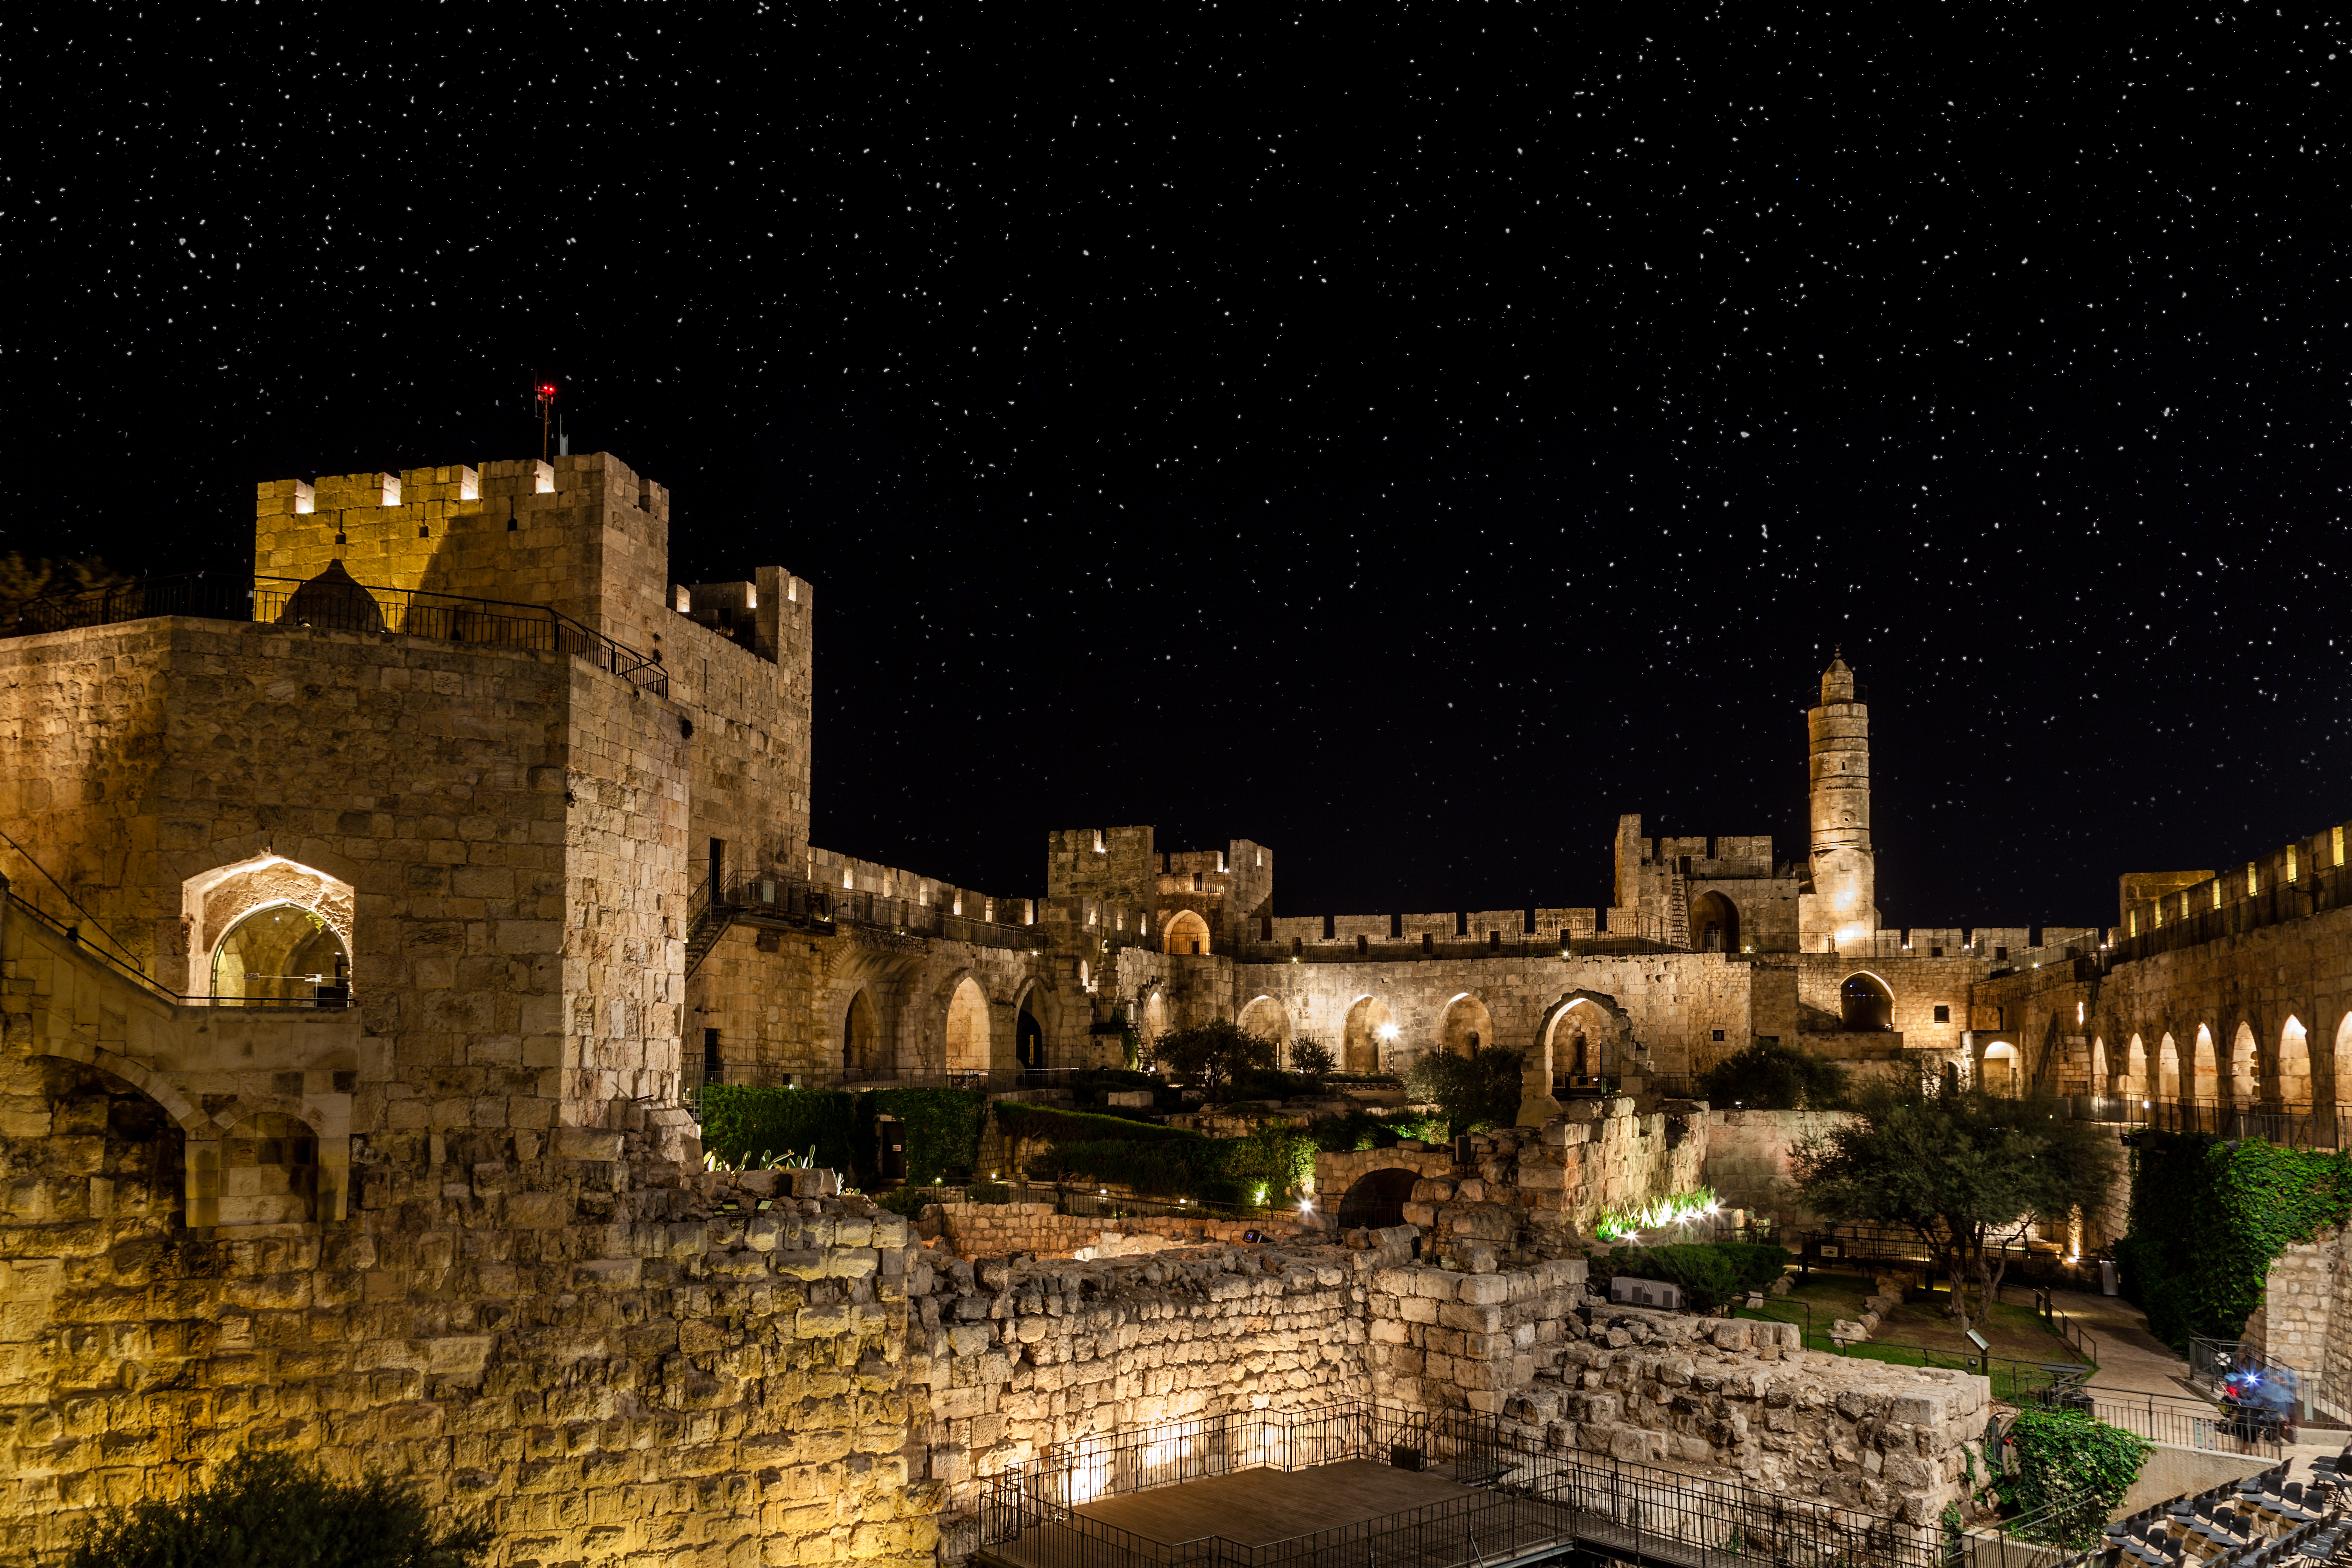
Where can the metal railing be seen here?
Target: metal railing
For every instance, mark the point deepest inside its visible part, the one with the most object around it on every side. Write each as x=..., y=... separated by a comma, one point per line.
x=342, y=604
x=2315, y=888
x=761, y=894
x=2183, y=1423
x=1524, y=1500
x=2296, y=1124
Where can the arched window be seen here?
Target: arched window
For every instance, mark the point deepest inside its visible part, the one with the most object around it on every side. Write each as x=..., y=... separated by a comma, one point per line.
x=1866, y=1003
x=280, y=954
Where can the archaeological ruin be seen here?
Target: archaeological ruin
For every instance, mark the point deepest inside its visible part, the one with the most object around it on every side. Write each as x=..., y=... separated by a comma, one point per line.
x=370, y=927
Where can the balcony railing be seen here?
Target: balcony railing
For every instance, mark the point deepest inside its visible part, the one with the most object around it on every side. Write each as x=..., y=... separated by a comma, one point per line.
x=330, y=604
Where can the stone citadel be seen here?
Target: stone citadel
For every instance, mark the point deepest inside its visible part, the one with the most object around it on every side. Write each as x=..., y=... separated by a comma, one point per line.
x=368, y=927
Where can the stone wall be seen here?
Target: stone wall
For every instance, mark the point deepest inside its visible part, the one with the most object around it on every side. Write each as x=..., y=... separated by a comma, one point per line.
x=1035, y=1230
x=1528, y=1190
x=1747, y=1156
x=592, y=1349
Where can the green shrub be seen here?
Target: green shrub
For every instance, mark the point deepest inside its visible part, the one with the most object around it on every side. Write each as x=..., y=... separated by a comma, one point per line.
x=1710, y=1273
x=741, y=1120
x=1770, y=1076
x=1357, y=1130
x=1483, y=1088
x=1266, y=1084
x=907, y=1201
x=2076, y=1468
x=275, y=1511
x=943, y=1127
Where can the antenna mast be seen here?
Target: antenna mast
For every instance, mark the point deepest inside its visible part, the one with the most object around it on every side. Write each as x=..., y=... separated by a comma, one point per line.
x=546, y=410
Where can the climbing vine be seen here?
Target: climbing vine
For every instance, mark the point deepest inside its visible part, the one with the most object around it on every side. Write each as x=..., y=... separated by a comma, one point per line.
x=2208, y=1220
x=2076, y=1468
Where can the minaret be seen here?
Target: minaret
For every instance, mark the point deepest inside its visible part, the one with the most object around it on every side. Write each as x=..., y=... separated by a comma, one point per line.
x=1843, y=906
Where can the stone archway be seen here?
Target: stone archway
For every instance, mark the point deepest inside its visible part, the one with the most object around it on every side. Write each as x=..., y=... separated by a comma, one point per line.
x=861, y=1037
x=1866, y=1003
x=1370, y=1029
x=1188, y=935
x=2245, y=1067
x=245, y=901
x=1267, y=1020
x=1376, y=1199
x=2204, y=1081
x=1714, y=924
x=2168, y=1068
x=2294, y=1063
x=2099, y=1084
x=2135, y=1083
x=967, y=1043
x=1465, y=1026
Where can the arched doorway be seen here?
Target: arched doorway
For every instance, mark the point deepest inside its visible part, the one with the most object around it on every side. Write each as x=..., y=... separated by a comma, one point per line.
x=1465, y=1026
x=2294, y=1063
x=2000, y=1068
x=861, y=1039
x=281, y=954
x=1865, y=1003
x=2202, y=1080
x=2099, y=1085
x=1376, y=1199
x=1371, y=1027
x=1264, y=1018
x=1713, y=924
x=2168, y=1068
x=2343, y=1064
x=1028, y=1039
x=269, y=1171
x=1154, y=1022
x=2244, y=1072
x=1188, y=935
x=968, y=1027
x=1575, y=1044
x=2136, y=1068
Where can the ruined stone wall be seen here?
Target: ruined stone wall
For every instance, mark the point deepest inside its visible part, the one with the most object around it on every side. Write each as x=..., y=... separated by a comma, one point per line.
x=1018, y=1358
x=1527, y=1192
x=590, y=1347
x=1036, y=1230
x=2306, y=1299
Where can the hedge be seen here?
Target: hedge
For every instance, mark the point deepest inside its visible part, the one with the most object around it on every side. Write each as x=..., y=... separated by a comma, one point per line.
x=942, y=1126
x=1214, y=1170
x=1058, y=1126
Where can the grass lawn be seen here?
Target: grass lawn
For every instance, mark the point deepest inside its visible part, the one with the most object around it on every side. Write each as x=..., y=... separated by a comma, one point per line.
x=2013, y=1330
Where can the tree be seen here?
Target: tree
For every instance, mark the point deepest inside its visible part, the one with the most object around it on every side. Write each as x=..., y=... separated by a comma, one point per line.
x=1311, y=1059
x=1481, y=1089
x=1770, y=1076
x=1211, y=1054
x=22, y=580
x=275, y=1511
x=1963, y=1169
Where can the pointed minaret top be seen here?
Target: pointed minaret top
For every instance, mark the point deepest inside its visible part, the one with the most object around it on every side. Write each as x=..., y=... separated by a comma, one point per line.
x=1837, y=682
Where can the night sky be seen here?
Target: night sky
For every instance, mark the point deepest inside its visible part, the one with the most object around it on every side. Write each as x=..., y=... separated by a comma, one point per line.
x=1406, y=437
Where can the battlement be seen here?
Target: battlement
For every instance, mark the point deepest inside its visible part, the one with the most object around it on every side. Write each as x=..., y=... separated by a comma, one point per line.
x=2153, y=901
x=846, y=873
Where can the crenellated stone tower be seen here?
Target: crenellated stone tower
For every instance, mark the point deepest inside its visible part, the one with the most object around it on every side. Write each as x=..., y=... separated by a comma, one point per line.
x=1841, y=908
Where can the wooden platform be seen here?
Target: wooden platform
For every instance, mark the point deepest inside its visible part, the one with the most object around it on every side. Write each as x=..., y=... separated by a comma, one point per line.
x=1258, y=1507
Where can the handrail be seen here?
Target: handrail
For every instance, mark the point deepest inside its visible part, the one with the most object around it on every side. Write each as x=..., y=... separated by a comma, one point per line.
x=128, y=962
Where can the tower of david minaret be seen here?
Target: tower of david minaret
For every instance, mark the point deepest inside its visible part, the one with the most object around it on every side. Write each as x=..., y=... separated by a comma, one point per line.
x=1842, y=909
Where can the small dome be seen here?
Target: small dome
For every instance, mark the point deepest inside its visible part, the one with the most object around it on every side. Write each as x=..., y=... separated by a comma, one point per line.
x=332, y=601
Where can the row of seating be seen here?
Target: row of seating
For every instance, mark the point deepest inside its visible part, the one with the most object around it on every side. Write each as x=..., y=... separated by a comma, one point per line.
x=2260, y=1522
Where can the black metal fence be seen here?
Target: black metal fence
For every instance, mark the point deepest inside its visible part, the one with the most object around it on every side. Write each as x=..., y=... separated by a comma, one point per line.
x=1524, y=1500
x=2184, y=1423
x=332, y=605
